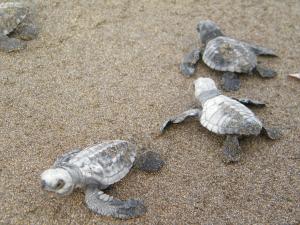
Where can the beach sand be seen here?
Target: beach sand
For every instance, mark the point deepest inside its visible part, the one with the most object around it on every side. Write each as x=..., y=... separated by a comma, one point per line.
x=110, y=70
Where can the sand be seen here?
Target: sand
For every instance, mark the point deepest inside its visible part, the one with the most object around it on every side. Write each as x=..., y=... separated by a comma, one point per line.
x=110, y=70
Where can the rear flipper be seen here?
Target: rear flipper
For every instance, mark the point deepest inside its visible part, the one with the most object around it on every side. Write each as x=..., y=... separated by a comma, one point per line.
x=265, y=72
x=149, y=162
x=188, y=64
x=272, y=133
x=106, y=205
x=231, y=149
x=249, y=102
x=181, y=117
x=230, y=81
x=11, y=44
x=259, y=50
x=27, y=30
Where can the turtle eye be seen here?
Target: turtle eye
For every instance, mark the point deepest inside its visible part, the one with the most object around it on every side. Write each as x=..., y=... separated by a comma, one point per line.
x=59, y=184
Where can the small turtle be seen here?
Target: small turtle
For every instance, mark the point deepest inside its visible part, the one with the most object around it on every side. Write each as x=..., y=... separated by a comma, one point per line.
x=96, y=168
x=15, y=24
x=225, y=54
x=225, y=116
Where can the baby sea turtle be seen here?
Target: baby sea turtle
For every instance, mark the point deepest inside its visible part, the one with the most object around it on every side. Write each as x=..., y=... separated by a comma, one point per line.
x=225, y=54
x=15, y=24
x=96, y=168
x=225, y=116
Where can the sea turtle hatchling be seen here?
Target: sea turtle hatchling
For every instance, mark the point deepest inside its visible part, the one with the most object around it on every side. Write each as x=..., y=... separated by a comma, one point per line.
x=225, y=116
x=225, y=54
x=16, y=25
x=96, y=168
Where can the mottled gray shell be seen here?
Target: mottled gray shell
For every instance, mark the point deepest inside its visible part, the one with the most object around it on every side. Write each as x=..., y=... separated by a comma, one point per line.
x=226, y=54
x=223, y=115
x=105, y=163
x=11, y=15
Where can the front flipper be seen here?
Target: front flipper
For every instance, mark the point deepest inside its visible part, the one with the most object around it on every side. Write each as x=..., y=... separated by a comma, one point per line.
x=259, y=50
x=272, y=133
x=149, y=162
x=230, y=81
x=181, y=117
x=231, y=149
x=66, y=157
x=189, y=61
x=249, y=102
x=106, y=205
x=295, y=75
x=11, y=44
x=265, y=72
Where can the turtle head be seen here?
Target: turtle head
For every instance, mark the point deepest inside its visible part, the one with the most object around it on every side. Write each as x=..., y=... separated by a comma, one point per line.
x=208, y=30
x=205, y=88
x=57, y=180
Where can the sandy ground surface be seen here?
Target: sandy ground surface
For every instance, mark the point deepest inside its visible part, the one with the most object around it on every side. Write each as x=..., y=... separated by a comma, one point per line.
x=109, y=70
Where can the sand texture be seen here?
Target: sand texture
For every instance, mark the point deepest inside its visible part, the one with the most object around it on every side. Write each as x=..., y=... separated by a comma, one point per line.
x=110, y=70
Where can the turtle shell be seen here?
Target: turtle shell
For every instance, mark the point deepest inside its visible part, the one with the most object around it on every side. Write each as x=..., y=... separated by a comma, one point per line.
x=11, y=15
x=105, y=163
x=226, y=54
x=223, y=115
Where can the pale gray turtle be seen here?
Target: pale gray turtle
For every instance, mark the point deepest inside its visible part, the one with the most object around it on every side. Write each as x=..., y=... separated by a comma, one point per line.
x=15, y=24
x=96, y=168
x=225, y=54
x=225, y=116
